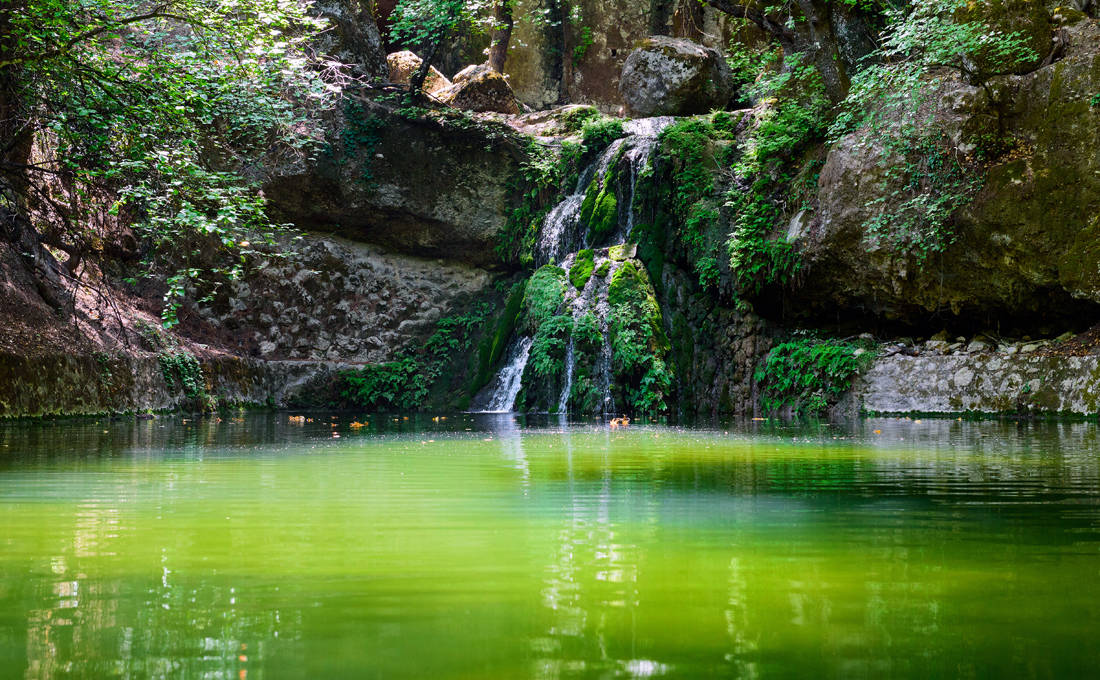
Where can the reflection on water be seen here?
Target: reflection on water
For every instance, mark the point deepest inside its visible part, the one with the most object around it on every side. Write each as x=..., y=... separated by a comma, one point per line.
x=490, y=546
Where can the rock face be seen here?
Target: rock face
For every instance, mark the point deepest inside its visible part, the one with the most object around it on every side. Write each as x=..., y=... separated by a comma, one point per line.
x=988, y=383
x=419, y=186
x=674, y=77
x=354, y=37
x=402, y=66
x=1026, y=245
x=480, y=88
x=338, y=300
x=574, y=52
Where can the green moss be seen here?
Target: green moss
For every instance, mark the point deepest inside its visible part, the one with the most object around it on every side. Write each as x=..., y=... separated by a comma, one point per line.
x=543, y=297
x=582, y=268
x=639, y=346
x=605, y=218
x=585, y=393
x=603, y=269
x=600, y=210
x=492, y=346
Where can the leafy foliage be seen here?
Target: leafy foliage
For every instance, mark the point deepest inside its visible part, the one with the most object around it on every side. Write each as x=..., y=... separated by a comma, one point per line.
x=770, y=156
x=544, y=296
x=600, y=132
x=686, y=146
x=926, y=178
x=638, y=343
x=183, y=371
x=159, y=112
x=808, y=375
x=405, y=383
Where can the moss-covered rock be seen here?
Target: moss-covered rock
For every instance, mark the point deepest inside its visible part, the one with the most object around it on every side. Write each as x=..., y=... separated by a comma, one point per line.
x=480, y=88
x=639, y=346
x=1028, y=19
x=1024, y=247
x=543, y=298
x=582, y=268
x=600, y=209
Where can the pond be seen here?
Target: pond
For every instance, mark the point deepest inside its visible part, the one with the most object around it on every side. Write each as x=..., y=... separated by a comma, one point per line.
x=263, y=546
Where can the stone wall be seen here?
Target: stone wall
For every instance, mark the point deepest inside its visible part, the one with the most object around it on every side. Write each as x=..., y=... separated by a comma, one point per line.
x=987, y=383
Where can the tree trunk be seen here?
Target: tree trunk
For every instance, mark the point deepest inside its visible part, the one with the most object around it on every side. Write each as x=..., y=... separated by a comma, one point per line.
x=502, y=35
x=416, y=83
x=554, y=57
x=687, y=21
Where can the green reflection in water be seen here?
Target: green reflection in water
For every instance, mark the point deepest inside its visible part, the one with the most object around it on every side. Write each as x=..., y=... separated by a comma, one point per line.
x=469, y=548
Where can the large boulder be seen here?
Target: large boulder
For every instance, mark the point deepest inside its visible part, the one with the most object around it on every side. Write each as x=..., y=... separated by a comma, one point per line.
x=674, y=77
x=480, y=88
x=1028, y=20
x=425, y=186
x=404, y=64
x=1026, y=245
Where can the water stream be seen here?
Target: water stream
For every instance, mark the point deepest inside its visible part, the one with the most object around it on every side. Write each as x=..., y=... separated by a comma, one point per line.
x=559, y=239
x=503, y=390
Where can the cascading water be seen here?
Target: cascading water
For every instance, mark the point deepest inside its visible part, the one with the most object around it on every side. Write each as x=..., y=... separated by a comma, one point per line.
x=561, y=235
x=500, y=395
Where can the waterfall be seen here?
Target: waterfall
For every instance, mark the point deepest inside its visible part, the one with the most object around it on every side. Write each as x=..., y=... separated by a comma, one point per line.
x=570, y=363
x=559, y=238
x=499, y=396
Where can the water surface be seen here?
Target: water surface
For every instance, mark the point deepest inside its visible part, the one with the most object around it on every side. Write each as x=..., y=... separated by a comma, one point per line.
x=485, y=548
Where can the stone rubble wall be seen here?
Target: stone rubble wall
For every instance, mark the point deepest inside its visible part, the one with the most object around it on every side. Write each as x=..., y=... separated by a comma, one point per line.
x=993, y=382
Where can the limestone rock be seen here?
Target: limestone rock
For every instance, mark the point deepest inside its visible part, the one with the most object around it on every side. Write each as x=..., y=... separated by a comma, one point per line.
x=480, y=88
x=404, y=64
x=1029, y=243
x=674, y=77
x=416, y=186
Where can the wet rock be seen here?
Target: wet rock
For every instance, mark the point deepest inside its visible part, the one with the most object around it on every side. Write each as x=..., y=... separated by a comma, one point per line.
x=674, y=77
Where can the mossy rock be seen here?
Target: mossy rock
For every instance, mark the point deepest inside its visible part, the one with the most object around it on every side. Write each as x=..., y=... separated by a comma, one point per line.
x=543, y=297
x=623, y=252
x=1028, y=18
x=603, y=269
x=582, y=268
x=600, y=210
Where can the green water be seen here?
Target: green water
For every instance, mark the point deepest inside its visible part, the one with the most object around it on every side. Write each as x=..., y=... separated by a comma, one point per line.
x=467, y=548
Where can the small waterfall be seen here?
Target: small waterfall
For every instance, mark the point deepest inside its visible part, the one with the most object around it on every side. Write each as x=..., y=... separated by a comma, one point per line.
x=559, y=238
x=570, y=363
x=557, y=230
x=499, y=396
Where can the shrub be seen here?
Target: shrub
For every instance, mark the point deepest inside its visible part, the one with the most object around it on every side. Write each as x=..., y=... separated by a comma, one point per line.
x=808, y=375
